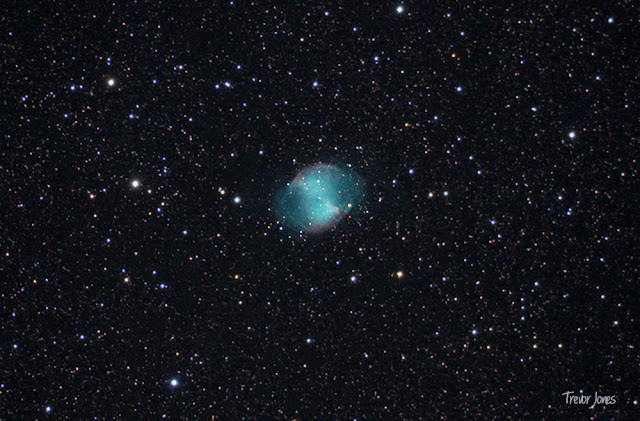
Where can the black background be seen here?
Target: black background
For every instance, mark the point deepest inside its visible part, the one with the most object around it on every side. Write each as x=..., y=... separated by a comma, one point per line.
x=495, y=256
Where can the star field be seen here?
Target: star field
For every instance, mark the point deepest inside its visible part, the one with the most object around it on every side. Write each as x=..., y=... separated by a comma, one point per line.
x=490, y=266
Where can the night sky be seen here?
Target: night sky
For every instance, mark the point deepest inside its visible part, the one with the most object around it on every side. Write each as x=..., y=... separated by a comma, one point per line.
x=490, y=265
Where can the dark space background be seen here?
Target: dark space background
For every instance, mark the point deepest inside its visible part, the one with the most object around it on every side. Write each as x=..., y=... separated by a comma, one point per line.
x=492, y=266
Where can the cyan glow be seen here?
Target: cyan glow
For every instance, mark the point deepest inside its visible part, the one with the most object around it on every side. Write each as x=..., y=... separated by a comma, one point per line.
x=318, y=198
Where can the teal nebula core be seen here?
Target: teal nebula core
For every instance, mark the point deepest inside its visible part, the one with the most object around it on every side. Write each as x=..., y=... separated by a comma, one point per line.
x=318, y=198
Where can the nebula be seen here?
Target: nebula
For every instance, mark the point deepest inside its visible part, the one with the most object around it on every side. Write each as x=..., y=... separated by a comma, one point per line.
x=318, y=198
